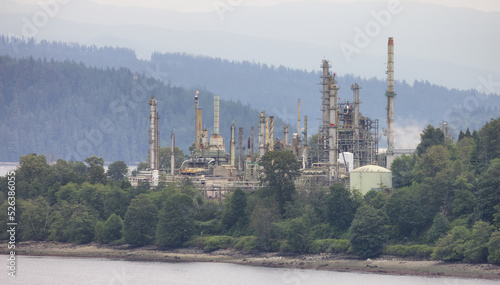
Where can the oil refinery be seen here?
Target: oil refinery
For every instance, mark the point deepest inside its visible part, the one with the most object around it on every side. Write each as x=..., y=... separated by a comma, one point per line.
x=345, y=149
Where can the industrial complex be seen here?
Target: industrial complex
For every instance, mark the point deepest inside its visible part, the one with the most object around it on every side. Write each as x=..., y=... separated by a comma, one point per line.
x=346, y=148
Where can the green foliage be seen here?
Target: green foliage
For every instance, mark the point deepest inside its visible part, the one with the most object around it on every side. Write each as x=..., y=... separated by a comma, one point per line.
x=329, y=245
x=488, y=194
x=218, y=242
x=112, y=229
x=234, y=213
x=117, y=170
x=429, y=137
x=176, y=223
x=247, y=244
x=341, y=207
x=405, y=213
x=140, y=221
x=34, y=219
x=73, y=223
x=297, y=234
x=494, y=248
x=417, y=250
x=402, y=170
x=367, y=234
x=476, y=249
x=440, y=225
x=262, y=221
x=451, y=247
x=280, y=170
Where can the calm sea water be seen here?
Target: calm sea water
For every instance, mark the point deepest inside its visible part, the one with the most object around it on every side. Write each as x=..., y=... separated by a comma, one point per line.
x=63, y=270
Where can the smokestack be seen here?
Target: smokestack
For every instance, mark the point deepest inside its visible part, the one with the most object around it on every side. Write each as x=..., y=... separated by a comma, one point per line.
x=262, y=133
x=216, y=114
x=271, y=133
x=172, y=156
x=251, y=146
x=233, y=145
x=355, y=88
x=240, y=150
x=390, y=96
x=298, y=122
x=198, y=123
x=304, y=152
x=153, y=136
x=285, y=134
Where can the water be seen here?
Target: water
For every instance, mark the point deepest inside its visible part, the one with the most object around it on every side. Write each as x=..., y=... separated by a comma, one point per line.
x=64, y=270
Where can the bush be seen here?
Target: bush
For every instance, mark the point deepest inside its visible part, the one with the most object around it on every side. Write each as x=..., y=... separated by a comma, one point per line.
x=248, y=243
x=330, y=245
x=451, y=247
x=418, y=250
x=494, y=248
x=218, y=242
x=211, y=243
x=367, y=233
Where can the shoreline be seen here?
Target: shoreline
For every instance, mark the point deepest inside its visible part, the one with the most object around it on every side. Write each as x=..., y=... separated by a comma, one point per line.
x=388, y=265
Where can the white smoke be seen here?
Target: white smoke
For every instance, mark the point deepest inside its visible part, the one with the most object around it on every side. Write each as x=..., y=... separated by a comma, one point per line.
x=407, y=134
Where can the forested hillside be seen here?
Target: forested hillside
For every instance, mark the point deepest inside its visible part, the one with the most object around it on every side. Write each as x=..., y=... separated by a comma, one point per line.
x=70, y=111
x=277, y=88
x=445, y=205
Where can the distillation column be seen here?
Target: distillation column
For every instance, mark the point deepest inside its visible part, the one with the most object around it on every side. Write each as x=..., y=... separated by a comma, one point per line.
x=198, y=123
x=325, y=103
x=262, y=133
x=271, y=133
x=355, y=88
x=240, y=150
x=390, y=98
x=332, y=132
x=233, y=145
x=251, y=146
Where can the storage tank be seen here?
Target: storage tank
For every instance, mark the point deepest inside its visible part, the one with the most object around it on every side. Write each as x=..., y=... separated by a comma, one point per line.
x=369, y=177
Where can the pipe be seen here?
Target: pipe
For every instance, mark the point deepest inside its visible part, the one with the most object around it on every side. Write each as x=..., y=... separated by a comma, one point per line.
x=285, y=134
x=172, y=157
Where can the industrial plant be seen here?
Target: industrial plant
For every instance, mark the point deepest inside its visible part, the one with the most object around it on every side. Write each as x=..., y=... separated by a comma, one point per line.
x=346, y=148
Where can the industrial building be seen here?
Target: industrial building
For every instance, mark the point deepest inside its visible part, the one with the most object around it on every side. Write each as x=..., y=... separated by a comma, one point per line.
x=347, y=149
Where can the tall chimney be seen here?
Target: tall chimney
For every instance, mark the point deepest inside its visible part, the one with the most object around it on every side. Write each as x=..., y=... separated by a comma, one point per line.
x=355, y=88
x=172, y=156
x=198, y=123
x=233, y=145
x=298, y=122
x=216, y=114
x=262, y=133
x=390, y=97
x=271, y=133
x=153, y=136
x=325, y=103
x=251, y=146
x=285, y=134
x=240, y=150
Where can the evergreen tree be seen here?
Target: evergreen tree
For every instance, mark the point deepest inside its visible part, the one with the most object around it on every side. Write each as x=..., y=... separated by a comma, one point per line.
x=176, y=222
x=367, y=234
x=140, y=221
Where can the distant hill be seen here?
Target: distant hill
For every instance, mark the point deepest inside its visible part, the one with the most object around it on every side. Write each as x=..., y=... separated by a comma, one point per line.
x=275, y=89
x=70, y=111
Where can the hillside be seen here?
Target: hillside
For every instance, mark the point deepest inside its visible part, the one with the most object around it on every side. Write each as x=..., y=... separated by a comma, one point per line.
x=70, y=111
x=277, y=88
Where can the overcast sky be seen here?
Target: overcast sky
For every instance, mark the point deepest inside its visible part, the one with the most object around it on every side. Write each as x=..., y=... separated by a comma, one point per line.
x=208, y=5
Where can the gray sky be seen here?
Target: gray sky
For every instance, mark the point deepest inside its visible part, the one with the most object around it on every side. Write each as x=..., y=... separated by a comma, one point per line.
x=208, y=5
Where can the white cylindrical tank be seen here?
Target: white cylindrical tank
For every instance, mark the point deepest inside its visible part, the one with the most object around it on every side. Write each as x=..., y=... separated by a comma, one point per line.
x=369, y=177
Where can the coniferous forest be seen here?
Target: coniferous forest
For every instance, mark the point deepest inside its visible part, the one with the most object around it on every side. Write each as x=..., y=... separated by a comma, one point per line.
x=445, y=205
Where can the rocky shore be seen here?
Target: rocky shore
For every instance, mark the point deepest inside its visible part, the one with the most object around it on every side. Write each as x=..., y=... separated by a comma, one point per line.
x=333, y=262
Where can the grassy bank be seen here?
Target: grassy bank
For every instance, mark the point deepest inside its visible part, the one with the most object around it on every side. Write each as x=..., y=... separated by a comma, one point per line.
x=325, y=261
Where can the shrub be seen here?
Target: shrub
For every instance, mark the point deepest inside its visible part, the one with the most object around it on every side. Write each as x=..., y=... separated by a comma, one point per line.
x=247, y=243
x=218, y=242
x=451, y=246
x=494, y=248
x=418, y=250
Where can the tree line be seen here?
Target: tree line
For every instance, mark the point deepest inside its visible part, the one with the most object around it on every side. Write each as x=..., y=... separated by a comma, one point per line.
x=445, y=205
